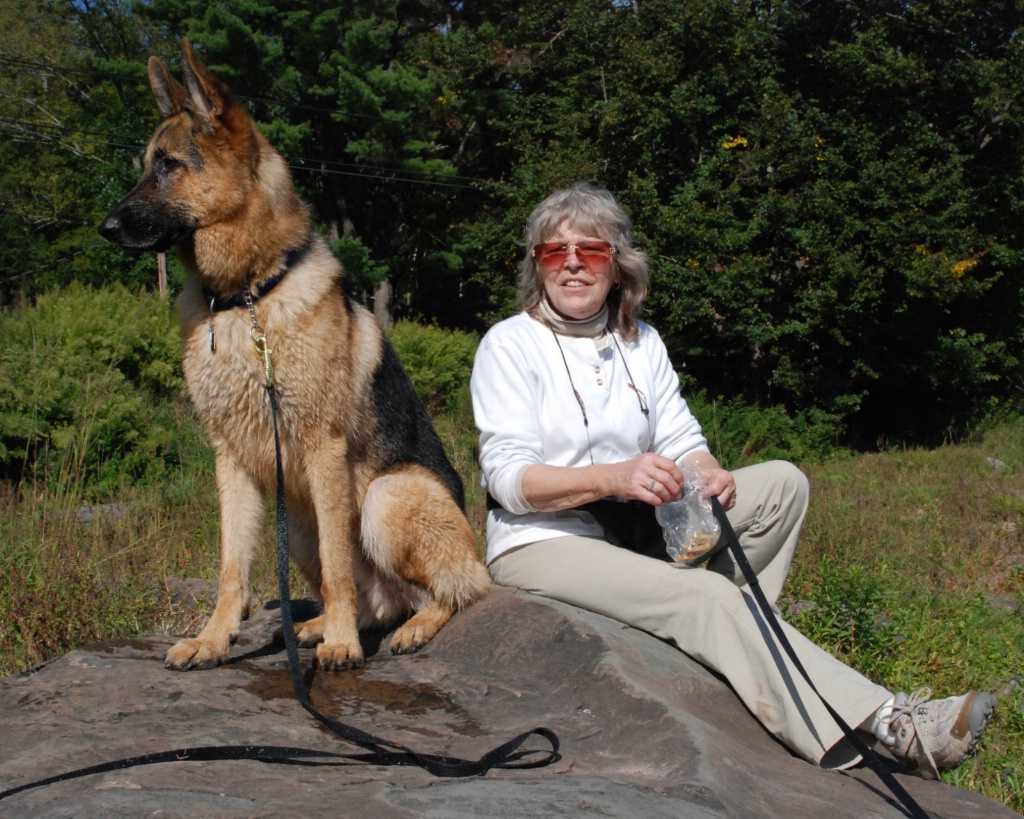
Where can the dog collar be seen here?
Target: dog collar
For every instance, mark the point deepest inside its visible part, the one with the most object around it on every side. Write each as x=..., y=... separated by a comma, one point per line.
x=218, y=304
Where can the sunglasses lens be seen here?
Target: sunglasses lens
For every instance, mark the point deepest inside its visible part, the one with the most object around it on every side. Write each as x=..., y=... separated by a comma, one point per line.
x=593, y=252
x=552, y=254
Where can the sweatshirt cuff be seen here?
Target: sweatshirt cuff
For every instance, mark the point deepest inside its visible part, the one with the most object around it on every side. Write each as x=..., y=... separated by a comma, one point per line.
x=520, y=497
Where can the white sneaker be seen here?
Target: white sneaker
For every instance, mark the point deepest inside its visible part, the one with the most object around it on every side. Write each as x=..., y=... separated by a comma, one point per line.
x=936, y=735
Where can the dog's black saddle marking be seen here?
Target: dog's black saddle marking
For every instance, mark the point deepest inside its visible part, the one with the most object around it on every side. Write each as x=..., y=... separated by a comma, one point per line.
x=405, y=433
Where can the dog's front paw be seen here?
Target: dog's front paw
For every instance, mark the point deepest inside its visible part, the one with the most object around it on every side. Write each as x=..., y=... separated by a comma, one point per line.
x=195, y=654
x=339, y=657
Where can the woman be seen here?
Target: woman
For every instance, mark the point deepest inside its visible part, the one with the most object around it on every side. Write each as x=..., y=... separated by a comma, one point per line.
x=576, y=401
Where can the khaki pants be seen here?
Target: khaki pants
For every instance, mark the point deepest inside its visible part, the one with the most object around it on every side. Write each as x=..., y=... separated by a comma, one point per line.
x=712, y=617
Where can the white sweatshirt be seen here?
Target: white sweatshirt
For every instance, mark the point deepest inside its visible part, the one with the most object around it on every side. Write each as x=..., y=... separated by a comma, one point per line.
x=527, y=414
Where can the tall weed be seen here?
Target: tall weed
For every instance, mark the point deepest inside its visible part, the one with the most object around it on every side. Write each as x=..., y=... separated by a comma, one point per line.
x=850, y=618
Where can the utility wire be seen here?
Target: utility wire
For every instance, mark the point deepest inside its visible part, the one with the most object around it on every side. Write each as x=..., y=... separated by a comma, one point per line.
x=380, y=174
x=297, y=106
x=67, y=129
x=132, y=142
x=24, y=129
x=382, y=178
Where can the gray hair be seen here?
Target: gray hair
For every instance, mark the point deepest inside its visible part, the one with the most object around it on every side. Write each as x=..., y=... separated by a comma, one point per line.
x=591, y=209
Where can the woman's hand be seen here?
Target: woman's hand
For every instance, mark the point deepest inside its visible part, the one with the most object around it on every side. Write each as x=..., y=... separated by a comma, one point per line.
x=707, y=475
x=719, y=483
x=648, y=477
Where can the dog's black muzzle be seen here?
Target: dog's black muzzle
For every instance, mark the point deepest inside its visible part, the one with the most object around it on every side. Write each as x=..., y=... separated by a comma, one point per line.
x=137, y=224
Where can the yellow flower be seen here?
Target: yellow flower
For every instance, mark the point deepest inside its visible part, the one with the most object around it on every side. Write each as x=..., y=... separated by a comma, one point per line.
x=962, y=267
x=737, y=141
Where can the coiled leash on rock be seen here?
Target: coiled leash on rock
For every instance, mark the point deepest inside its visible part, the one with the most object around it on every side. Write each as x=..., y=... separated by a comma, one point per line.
x=380, y=751
x=873, y=760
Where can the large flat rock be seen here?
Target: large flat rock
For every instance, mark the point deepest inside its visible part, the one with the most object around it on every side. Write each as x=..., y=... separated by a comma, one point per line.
x=645, y=731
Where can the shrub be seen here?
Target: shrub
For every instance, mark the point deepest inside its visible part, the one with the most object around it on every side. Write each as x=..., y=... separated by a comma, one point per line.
x=740, y=433
x=438, y=361
x=85, y=378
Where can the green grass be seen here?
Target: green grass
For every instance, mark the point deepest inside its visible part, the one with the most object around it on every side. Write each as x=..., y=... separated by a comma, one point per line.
x=914, y=560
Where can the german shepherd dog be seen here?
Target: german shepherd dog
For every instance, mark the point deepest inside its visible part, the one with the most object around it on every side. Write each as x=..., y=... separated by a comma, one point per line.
x=376, y=510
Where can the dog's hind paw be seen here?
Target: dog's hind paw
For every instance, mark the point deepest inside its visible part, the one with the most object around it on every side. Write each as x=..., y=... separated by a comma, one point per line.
x=307, y=634
x=194, y=655
x=419, y=629
x=310, y=632
x=406, y=648
x=339, y=657
x=409, y=642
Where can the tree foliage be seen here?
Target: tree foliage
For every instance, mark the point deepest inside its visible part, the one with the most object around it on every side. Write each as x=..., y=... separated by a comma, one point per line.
x=830, y=191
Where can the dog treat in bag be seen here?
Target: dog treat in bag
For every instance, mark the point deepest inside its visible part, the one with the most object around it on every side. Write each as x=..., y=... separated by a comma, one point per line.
x=689, y=526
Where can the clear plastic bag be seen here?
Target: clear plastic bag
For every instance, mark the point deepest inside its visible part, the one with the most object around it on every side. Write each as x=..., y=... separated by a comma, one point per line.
x=690, y=527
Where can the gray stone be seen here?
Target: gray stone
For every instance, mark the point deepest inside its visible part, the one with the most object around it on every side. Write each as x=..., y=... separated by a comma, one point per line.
x=645, y=731
x=91, y=514
x=1001, y=601
x=995, y=464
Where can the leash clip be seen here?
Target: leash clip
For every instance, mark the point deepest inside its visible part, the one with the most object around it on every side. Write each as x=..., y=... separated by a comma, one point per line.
x=259, y=341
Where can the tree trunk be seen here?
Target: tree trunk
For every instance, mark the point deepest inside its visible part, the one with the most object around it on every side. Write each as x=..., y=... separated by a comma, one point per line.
x=382, y=303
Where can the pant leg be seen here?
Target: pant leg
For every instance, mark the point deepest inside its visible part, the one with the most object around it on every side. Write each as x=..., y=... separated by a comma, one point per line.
x=715, y=622
x=771, y=502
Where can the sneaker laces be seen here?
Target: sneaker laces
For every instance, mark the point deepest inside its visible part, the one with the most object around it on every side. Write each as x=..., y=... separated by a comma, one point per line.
x=909, y=709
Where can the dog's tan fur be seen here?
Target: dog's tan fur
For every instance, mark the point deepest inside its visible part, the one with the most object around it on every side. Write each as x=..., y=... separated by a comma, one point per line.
x=376, y=537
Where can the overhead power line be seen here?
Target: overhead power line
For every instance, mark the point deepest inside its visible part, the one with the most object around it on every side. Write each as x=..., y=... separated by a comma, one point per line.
x=296, y=106
x=123, y=141
x=382, y=177
x=326, y=167
x=44, y=132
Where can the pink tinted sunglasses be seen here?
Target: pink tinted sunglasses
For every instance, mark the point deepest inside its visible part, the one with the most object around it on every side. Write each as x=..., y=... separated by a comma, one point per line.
x=552, y=255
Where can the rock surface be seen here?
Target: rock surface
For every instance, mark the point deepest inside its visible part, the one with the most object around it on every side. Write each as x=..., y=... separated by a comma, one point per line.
x=645, y=731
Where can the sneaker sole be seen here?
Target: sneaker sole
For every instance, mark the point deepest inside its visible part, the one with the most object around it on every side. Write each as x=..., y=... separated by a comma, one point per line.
x=974, y=716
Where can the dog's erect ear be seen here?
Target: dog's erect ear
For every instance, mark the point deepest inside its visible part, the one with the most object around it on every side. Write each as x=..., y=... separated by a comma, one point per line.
x=169, y=93
x=208, y=97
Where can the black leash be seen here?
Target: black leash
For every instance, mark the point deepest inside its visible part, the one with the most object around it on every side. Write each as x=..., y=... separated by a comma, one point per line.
x=873, y=760
x=381, y=751
x=384, y=751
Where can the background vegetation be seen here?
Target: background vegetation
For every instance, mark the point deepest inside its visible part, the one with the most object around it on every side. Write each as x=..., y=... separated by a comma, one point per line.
x=830, y=192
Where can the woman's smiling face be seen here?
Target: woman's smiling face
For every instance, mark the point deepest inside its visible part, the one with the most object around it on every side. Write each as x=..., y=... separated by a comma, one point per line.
x=575, y=289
